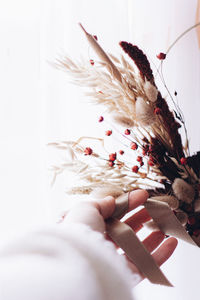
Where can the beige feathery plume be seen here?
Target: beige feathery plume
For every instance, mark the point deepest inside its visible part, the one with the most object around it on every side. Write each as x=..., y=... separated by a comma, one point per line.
x=144, y=112
x=150, y=91
x=123, y=120
x=183, y=190
x=102, y=55
x=170, y=200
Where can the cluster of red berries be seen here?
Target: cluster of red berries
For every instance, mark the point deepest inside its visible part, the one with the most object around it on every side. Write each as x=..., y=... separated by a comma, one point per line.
x=134, y=146
x=112, y=158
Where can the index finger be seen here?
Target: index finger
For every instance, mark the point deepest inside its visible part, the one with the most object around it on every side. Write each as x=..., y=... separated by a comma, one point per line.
x=137, y=198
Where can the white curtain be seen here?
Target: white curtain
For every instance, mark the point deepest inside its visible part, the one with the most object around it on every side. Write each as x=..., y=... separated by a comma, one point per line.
x=38, y=105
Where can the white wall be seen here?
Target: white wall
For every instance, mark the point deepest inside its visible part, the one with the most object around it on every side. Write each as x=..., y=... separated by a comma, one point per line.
x=38, y=105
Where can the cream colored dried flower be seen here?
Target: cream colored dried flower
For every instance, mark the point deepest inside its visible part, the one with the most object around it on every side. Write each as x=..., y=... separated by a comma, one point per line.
x=183, y=190
x=182, y=217
x=150, y=91
x=197, y=205
x=123, y=120
x=144, y=112
x=170, y=200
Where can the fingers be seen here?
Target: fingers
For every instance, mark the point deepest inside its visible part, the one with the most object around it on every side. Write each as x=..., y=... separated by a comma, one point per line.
x=161, y=255
x=106, y=206
x=165, y=251
x=136, y=221
x=137, y=198
x=153, y=240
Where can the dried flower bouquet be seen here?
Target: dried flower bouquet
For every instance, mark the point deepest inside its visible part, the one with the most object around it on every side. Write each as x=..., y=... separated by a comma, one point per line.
x=150, y=152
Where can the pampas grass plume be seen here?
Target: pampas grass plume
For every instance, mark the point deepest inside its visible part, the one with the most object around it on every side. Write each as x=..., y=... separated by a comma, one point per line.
x=144, y=112
x=150, y=91
x=183, y=190
x=123, y=120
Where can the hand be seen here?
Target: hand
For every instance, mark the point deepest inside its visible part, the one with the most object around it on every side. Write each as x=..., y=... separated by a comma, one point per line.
x=93, y=214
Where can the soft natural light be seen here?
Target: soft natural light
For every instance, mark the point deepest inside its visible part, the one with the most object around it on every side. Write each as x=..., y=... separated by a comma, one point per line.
x=39, y=105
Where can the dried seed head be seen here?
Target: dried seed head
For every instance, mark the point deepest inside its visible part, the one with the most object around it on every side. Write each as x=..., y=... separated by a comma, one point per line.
x=88, y=151
x=183, y=160
x=122, y=120
x=112, y=156
x=135, y=169
x=111, y=163
x=170, y=200
x=182, y=217
x=134, y=146
x=102, y=192
x=101, y=118
x=127, y=132
x=183, y=190
x=161, y=56
x=197, y=205
x=144, y=112
x=157, y=111
x=150, y=91
x=108, y=132
x=139, y=159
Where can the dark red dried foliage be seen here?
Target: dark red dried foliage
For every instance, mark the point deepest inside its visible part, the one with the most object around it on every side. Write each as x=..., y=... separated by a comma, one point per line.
x=171, y=126
x=139, y=59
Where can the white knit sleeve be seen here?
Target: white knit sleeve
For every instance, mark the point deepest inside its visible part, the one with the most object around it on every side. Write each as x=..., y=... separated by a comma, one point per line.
x=64, y=262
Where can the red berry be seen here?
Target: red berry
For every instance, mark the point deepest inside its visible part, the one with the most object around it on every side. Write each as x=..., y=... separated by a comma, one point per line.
x=92, y=62
x=108, y=132
x=127, y=131
x=121, y=152
x=88, y=151
x=95, y=37
x=134, y=146
x=111, y=163
x=161, y=56
x=196, y=232
x=150, y=163
x=157, y=111
x=141, y=163
x=135, y=169
x=183, y=160
x=145, y=149
x=191, y=220
x=101, y=118
x=144, y=152
x=112, y=156
x=139, y=158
